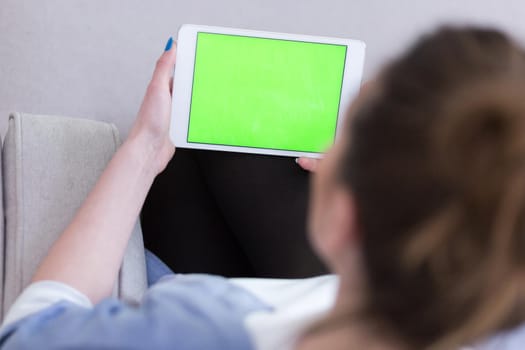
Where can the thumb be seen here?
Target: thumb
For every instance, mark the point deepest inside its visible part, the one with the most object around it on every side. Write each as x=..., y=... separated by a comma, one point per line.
x=165, y=64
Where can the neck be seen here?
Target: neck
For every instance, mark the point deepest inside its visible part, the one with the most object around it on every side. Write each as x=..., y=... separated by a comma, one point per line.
x=351, y=331
x=350, y=294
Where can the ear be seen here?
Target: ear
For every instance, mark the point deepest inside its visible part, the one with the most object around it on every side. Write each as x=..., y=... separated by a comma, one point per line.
x=343, y=236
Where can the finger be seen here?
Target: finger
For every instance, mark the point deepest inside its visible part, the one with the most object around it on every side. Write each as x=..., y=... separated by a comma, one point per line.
x=165, y=65
x=308, y=164
x=367, y=85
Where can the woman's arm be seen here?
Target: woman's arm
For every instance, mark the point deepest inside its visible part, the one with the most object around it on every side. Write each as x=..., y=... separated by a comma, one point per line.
x=88, y=254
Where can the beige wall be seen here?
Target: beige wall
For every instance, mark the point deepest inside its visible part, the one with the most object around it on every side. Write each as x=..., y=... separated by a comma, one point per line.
x=93, y=58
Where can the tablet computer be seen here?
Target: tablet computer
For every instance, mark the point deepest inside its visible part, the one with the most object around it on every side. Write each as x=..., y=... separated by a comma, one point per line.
x=261, y=92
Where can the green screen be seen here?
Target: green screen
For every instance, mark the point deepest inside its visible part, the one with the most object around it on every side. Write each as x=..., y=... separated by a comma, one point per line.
x=265, y=93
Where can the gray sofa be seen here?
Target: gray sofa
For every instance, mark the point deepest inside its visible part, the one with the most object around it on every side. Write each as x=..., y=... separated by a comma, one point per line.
x=49, y=165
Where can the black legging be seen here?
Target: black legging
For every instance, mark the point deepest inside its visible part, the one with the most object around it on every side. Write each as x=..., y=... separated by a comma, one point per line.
x=230, y=214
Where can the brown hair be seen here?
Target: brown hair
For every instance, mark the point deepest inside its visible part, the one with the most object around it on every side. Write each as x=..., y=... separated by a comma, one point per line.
x=436, y=163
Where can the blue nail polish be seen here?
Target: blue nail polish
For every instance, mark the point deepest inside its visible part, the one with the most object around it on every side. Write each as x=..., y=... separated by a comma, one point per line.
x=169, y=44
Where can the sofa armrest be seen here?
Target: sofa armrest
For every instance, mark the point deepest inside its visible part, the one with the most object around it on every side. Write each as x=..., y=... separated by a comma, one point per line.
x=50, y=165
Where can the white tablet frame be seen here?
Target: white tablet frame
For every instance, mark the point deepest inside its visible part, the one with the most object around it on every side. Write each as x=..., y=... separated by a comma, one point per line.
x=183, y=82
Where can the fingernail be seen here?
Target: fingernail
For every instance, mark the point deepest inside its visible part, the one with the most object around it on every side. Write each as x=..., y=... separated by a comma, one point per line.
x=169, y=44
x=297, y=160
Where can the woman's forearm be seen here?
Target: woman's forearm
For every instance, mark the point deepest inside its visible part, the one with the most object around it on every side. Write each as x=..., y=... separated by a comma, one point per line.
x=88, y=254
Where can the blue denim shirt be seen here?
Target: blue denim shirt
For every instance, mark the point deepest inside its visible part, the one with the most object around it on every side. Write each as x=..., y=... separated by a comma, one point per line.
x=178, y=312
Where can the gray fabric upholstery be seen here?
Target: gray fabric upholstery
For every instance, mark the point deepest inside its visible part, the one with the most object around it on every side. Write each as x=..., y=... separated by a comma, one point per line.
x=50, y=165
x=2, y=246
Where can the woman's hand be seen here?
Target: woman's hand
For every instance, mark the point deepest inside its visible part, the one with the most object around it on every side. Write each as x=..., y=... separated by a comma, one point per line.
x=308, y=164
x=151, y=127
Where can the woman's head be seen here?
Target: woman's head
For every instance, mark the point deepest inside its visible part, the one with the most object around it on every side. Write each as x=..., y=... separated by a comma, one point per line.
x=429, y=183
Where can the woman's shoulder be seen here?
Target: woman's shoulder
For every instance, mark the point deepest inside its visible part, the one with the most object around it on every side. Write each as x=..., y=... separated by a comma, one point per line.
x=193, y=311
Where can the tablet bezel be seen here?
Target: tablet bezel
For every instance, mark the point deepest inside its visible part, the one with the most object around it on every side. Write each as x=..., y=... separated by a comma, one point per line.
x=183, y=82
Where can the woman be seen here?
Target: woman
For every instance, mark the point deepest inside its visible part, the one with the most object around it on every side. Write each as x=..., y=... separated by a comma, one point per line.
x=418, y=209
